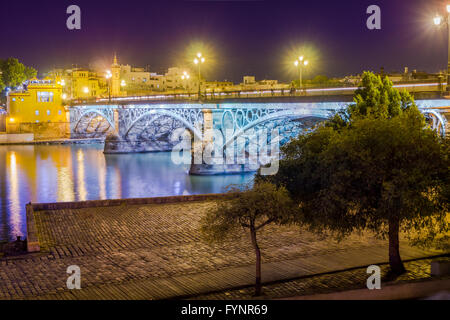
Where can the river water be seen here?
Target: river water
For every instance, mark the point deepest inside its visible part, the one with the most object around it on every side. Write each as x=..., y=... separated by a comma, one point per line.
x=57, y=173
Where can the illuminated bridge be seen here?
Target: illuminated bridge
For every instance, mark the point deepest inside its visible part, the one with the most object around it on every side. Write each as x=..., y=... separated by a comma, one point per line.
x=243, y=127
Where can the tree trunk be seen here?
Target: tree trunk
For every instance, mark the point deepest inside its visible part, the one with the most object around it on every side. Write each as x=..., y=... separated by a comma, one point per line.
x=395, y=261
x=258, y=261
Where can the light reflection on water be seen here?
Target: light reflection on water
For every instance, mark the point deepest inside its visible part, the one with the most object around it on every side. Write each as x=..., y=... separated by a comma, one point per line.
x=39, y=173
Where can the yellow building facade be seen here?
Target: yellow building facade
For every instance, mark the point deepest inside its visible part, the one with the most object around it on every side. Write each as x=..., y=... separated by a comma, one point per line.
x=41, y=102
x=85, y=84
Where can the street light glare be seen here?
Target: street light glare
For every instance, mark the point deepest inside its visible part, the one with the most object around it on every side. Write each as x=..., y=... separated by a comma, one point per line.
x=437, y=20
x=448, y=8
x=203, y=60
x=296, y=63
x=301, y=58
x=199, y=54
x=306, y=62
x=196, y=61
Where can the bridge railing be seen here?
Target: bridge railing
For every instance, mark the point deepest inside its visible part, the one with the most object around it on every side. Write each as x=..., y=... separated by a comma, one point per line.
x=263, y=93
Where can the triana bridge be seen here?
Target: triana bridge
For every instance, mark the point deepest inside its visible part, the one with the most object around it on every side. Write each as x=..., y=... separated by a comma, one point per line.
x=143, y=126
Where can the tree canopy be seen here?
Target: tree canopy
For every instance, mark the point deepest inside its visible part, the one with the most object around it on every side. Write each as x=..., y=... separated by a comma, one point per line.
x=14, y=73
x=374, y=166
x=375, y=98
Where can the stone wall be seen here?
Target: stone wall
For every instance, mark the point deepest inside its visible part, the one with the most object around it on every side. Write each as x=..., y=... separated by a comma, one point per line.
x=7, y=138
x=2, y=122
x=43, y=130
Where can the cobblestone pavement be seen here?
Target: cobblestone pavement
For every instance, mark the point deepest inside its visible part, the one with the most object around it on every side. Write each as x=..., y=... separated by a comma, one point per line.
x=326, y=283
x=155, y=251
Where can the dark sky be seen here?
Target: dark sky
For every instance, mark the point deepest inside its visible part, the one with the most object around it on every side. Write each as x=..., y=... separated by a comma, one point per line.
x=238, y=37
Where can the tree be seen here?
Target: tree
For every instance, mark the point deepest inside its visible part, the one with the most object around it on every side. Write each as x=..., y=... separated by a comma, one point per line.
x=15, y=73
x=375, y=97
x=375, y=166
x=252, y=209
x=320, y=79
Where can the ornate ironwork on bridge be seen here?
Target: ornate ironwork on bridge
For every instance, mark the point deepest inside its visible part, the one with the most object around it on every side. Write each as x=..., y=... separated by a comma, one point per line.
x=91, y=121
x=238, y=126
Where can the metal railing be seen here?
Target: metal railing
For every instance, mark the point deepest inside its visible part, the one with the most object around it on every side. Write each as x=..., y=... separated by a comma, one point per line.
x=422, y=86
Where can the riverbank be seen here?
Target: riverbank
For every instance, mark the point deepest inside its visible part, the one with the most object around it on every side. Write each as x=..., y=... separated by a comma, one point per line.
x=30, y=141
x=151, y=248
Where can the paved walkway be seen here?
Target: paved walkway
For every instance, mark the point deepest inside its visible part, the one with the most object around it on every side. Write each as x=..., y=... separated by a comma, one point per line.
x=155, y=252
x=319, y=285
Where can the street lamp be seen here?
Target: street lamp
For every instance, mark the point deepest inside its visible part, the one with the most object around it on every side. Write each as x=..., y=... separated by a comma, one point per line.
x=198, y=61
x=108, y=77
x=123, y=83
x=438, y=20
x=185, y=76
x=300, y=63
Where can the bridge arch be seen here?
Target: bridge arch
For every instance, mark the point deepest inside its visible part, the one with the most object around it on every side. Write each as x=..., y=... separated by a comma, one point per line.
x=85, y=113
x=286, y=114
x=160, y=113
x=438, y=120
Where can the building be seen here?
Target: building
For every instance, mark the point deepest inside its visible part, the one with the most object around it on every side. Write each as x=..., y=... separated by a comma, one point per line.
x=248, y=80
x=179, y=78
x=134, y=76
x=250, y=83
x=83, y=84
x=115, y=80
x=217, y=86
x=39, y=102
x=79, y=83
x=156, y=81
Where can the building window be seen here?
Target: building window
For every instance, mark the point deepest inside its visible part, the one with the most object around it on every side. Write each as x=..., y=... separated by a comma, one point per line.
x=13, y=99
x=59, y=112
x=37, y=112
x=45, y=96
x=37, y=121
x=21, y=99
x=48, y=112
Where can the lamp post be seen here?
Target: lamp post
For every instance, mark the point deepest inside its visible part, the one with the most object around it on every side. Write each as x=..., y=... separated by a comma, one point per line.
x=198, y=61
x=108, y=77
x=300, y=63
x=185, y=77
x=438, y=20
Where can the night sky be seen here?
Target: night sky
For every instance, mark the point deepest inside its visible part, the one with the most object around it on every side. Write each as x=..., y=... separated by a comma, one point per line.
x=237, y=37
